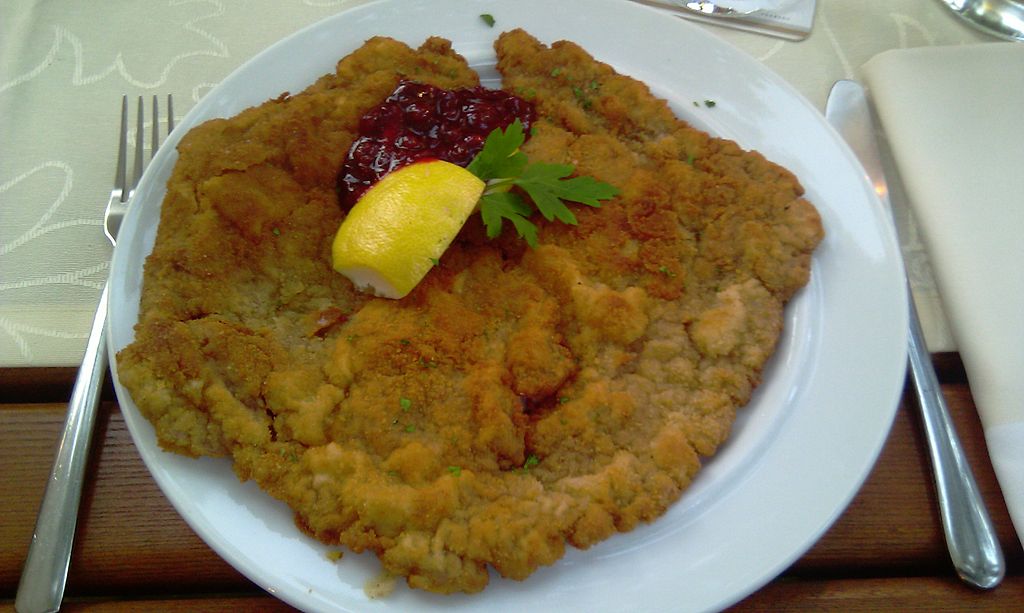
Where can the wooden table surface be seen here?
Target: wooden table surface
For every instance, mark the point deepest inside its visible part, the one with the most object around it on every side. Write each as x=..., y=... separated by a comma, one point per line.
x=133, y=552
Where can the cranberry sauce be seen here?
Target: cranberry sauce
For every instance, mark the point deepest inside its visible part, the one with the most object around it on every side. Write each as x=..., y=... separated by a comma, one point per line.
x=419, y=121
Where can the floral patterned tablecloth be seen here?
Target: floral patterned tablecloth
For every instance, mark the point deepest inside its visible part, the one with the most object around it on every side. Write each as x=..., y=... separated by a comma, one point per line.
x=65, y=65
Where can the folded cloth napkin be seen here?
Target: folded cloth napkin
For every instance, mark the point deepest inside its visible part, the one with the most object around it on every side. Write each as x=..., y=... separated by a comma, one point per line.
x=954, y=119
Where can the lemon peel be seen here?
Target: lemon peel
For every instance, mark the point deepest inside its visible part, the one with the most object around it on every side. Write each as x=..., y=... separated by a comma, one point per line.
x=398, y=230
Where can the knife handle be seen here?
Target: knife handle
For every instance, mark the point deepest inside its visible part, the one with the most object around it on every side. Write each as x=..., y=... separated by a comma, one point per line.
x=970, y=535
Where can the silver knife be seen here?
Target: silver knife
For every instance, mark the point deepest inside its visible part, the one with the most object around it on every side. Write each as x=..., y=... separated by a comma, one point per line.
x=706, y=9
x=970, y=536
x=710, y=12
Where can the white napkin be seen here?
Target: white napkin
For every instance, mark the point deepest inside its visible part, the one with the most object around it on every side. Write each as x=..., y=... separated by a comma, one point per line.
x=954, y=118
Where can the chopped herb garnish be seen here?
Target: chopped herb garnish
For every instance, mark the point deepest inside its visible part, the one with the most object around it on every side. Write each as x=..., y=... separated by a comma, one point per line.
x=503, y=166
x=410, y=428
x=276, y=231
x=530, y=462
x=584, y=101
x=405, y=341
x=455, y=470
x=526, y=92
x=435, y=261
x=556, y=71
x=405, y=403
x=488, y=19
x=709, y=103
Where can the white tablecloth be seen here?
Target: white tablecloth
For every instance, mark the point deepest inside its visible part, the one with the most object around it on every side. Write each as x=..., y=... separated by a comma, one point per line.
x=64, y=66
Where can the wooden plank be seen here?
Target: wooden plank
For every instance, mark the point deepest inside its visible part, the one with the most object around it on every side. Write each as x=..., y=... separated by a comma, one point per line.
x=42, y=384
x=129, y=536
x=907, y=595
x=28, y=434
x=904, y=594
x=893, y=523
x=185, y=604
x=131, y=541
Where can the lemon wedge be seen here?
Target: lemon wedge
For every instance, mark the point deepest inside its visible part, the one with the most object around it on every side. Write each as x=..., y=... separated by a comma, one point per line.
x=397, y=231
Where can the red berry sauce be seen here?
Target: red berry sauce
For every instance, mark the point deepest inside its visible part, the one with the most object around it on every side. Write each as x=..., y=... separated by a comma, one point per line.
x=419, y=121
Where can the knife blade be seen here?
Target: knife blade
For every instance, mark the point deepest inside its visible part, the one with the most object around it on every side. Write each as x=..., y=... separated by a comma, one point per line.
x=757, y=20
x=970, y=535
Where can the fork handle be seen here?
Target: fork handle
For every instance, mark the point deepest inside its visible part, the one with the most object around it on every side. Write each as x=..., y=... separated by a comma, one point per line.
x=970, y=535
x=44, y=575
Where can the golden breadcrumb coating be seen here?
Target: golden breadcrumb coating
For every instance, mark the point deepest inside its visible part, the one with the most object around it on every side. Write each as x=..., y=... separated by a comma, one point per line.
x=517, y=400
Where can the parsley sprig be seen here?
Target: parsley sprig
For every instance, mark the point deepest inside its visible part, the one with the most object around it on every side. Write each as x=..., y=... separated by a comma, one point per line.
x=503, y=167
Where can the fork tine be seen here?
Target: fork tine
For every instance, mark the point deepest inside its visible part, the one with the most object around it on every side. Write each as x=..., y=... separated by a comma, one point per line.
x=121, y=185
x=155, y=132
x=121, y=174
x=140, y=140
x=170, y=113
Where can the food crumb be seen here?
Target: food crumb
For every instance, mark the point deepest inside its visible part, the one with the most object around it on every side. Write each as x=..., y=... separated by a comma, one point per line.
x=380, y=586
x=334, y=555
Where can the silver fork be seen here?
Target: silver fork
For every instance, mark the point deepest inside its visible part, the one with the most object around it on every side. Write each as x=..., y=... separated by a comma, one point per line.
x=44, y=575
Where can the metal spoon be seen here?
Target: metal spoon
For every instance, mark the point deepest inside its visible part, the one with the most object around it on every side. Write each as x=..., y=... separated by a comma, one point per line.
x=1002, y=18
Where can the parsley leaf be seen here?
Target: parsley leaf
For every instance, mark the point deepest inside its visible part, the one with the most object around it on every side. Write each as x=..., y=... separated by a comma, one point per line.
x=541, y=182
x=506, y=205
x=530, y=462
x=503, y=167
x=501, y=156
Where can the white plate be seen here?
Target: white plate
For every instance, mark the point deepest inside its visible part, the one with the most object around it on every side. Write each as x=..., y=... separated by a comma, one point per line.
x=800, y=450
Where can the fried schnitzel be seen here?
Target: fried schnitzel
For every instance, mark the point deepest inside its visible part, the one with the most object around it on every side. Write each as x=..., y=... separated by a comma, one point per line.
x=518, y=399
